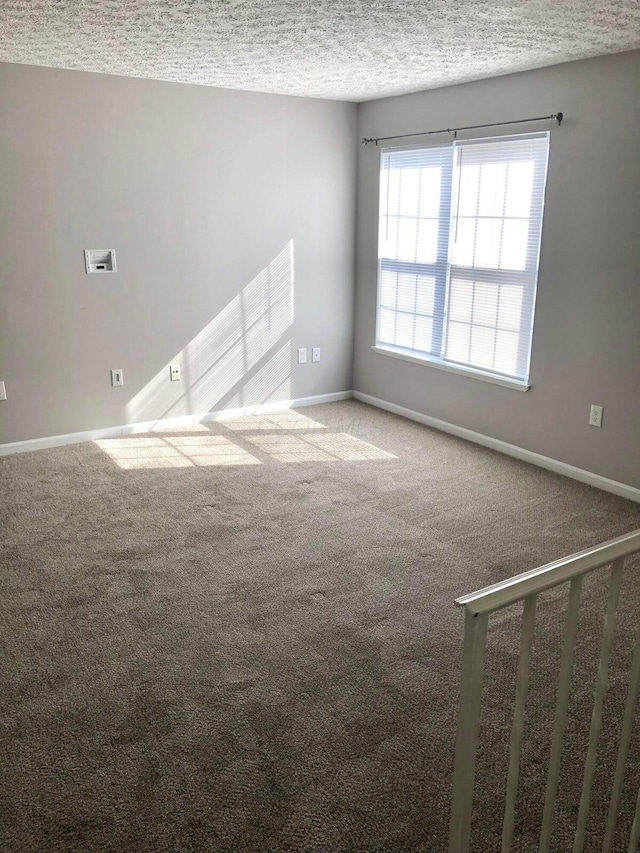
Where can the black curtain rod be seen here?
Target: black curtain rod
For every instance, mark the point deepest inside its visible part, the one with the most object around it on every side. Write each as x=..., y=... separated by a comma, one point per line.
x=553, y=117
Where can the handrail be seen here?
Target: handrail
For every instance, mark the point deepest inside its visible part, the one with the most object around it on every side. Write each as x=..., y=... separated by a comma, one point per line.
x=537, y=580
x=478, y=607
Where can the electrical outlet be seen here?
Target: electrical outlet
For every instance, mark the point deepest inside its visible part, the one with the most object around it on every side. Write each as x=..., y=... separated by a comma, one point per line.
x=302, y=355
x=3, y=391
x=595, y=416
x=117, y=377
x=174, y=372
x=315, y=354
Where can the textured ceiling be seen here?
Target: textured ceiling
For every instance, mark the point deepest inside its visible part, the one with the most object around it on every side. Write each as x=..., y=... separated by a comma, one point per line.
x=348, y=49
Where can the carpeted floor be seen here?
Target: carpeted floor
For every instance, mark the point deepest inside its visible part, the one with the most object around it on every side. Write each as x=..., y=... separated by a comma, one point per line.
x=242, y=637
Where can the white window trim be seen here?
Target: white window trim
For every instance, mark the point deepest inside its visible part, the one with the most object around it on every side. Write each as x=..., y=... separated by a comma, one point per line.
x=431, y=361
x=439, y=363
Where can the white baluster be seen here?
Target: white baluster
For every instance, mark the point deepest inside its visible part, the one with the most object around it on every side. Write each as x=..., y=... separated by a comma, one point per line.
x=522, y=685
x=623, y=750
x=602, y=679
x=475, y=638
x=562, y=703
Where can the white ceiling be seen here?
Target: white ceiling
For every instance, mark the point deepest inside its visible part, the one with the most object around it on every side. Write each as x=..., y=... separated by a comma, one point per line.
x=347, y=49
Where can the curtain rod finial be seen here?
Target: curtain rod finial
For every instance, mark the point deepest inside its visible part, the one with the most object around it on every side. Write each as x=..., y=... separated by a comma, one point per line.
x=559, y=118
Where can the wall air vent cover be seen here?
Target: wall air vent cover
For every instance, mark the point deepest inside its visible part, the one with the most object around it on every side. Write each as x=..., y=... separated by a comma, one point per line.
x=100, y=260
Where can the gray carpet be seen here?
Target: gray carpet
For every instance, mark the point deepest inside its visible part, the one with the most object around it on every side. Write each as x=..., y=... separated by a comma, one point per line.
x=242, y=637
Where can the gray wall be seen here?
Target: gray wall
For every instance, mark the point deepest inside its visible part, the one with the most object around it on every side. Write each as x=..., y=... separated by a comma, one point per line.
x=205, y=194
x=586, y=346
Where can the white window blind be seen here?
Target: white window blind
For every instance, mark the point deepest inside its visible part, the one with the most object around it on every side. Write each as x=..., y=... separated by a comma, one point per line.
x=459, y=241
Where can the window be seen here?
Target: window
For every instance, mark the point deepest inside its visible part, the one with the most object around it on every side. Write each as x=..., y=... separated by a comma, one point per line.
x=459, y=242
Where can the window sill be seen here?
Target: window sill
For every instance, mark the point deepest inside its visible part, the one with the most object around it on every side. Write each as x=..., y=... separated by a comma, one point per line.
x=407, y=355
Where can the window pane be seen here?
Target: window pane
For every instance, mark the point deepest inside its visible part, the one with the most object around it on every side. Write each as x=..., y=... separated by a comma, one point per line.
x=469, y=177
x=426, y=294
x=515, y=237
x=407, y=239
x=427, y=245
x=458, y=342
x=391, y=186
x=388, y=287
x=460, y=300
x=492, y=187
x=519, y=187
x=430, y=179
x=404, y=330
x=388, y=238
x=406, y=292
x=482, y=347
x=510, y=308
x=506, y=358
x=487, y=247
x=409, y=185
x=485, y=304
x=387, y=326
x=464, y=246
x=424, y=333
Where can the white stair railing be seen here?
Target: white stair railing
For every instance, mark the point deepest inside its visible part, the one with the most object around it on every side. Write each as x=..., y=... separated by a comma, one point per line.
x=525, y=588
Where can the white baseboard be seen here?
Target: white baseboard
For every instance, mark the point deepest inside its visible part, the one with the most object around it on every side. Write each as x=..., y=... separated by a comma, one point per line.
x=613, y=486
x=185, y=420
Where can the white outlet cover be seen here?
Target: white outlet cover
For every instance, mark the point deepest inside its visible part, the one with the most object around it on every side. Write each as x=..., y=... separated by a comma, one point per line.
x=302, y=355
x=315, y=354
x=117, y=377
x=595, y=416
x=3, y=391
x=100, y=260
x=174, y=372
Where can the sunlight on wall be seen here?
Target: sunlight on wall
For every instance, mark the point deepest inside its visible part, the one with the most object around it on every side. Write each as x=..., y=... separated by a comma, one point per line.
x=179, y=452
x=272, y=383
x=217, y=361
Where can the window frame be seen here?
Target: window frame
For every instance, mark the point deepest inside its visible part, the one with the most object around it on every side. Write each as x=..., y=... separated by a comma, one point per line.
x=447, y=220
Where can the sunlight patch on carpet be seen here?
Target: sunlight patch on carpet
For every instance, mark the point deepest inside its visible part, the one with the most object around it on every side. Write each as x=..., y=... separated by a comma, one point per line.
x=175, y=452
x=179, y=428
x=317, y=448
x=274, y=420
